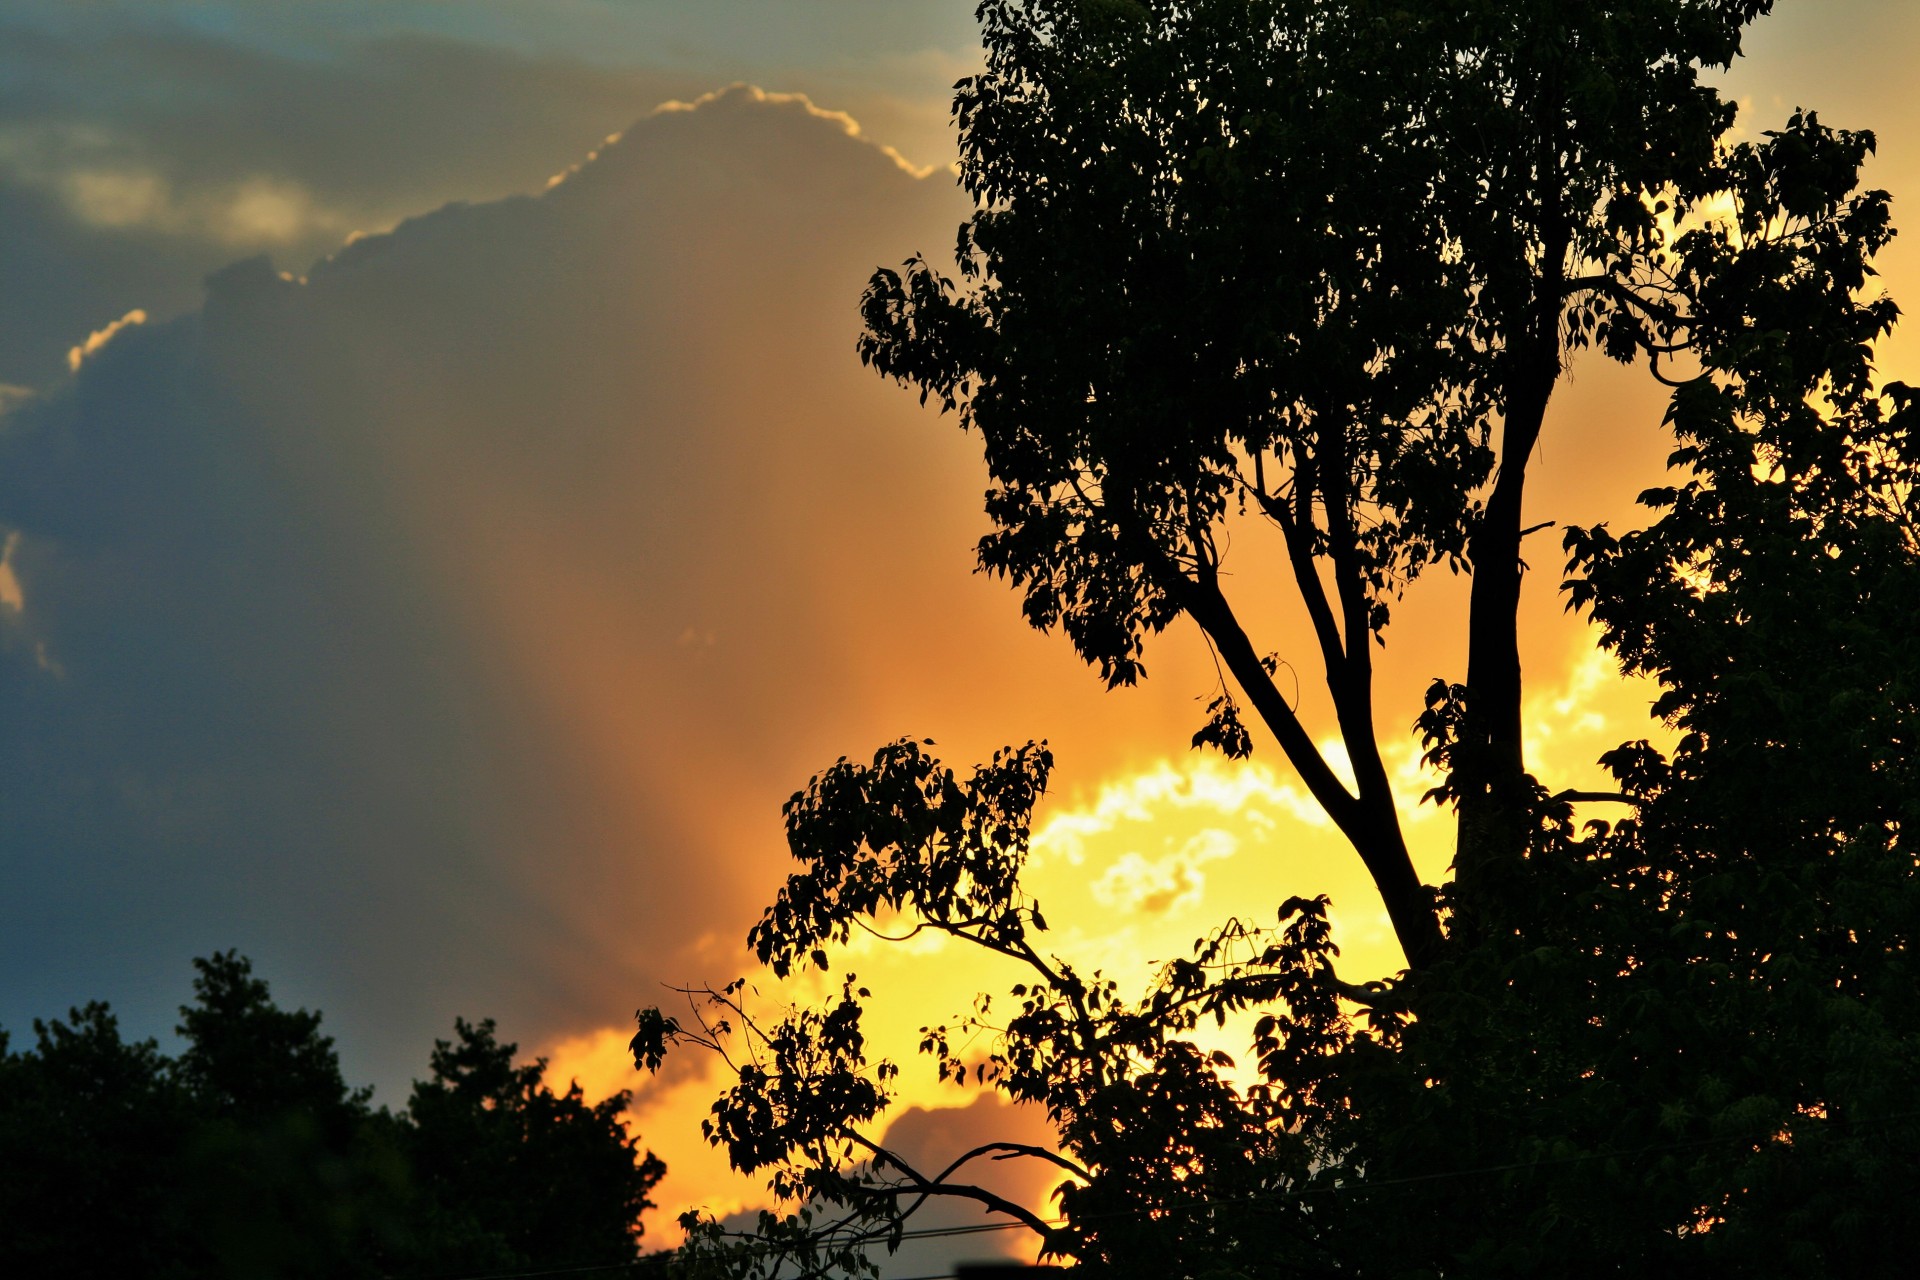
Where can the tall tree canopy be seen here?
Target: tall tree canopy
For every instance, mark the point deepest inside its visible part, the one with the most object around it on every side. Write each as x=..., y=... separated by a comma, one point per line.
x=1324, y=263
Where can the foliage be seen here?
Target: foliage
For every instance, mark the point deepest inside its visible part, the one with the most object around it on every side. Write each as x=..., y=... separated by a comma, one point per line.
x=513, y=1174
x=286, y=1172
x=248, y=1155
x=1316, y=268
x=88, y=1127
x=1323, y=262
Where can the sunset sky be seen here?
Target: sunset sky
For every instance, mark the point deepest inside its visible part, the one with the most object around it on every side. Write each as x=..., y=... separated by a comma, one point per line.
x=439, y=608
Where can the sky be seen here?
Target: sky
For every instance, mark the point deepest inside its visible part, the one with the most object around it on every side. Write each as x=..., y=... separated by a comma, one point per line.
x=444, y=518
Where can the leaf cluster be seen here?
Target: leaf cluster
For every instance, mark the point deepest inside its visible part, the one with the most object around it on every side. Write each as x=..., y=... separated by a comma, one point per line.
x=1179, y=276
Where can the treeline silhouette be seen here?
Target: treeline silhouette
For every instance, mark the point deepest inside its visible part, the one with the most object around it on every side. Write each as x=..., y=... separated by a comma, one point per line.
x=249, y=1156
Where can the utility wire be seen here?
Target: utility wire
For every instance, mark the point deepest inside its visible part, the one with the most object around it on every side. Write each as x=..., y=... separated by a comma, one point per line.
x=1365, y=1184
x=1276, y=1197
x=600, y=1268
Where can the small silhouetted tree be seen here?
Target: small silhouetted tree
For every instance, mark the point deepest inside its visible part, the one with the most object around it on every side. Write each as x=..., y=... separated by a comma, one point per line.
x=287, y=1172
x=512, y=1174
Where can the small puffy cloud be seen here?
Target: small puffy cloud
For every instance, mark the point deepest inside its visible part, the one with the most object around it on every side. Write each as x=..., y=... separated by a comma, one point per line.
x=10, y=597
x=1247, y=791
x=117, y=199
x=266, y=210
x=249, y=211
x=1171, y=882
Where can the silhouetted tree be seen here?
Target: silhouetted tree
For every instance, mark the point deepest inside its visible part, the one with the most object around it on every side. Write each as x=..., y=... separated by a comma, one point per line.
x=249, y=1156
x=287, y=1171
x=90, y=1133
x=512, y=1174
x=1322, y=263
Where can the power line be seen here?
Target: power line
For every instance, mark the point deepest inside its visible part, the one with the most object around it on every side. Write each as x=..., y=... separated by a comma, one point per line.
x=1365, y=1185
x=1205, y=1202
x=599, y=1268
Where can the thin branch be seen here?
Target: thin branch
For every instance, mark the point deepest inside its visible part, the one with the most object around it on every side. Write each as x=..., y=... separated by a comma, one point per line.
x=1653, y=367
x=1313, y=592
x=708, y=1037
x=908, y=936
x=1572, y=796
x=923, y=1188
x=1579, y=284
x=1022, y=952
x=1011, y=1151
x=1654, y=310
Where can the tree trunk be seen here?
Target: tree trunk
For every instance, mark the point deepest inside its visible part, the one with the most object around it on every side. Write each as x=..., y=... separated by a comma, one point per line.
x=1490, y=770
x=1369, y=821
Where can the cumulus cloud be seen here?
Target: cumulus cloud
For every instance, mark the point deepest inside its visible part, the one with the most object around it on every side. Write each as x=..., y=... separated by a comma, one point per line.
x=136, y=156
x=1203, y=787
x=446, y=626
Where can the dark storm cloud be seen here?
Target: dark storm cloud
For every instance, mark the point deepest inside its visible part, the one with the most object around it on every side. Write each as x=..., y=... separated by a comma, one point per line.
x=420, y=629
x=258, y=693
